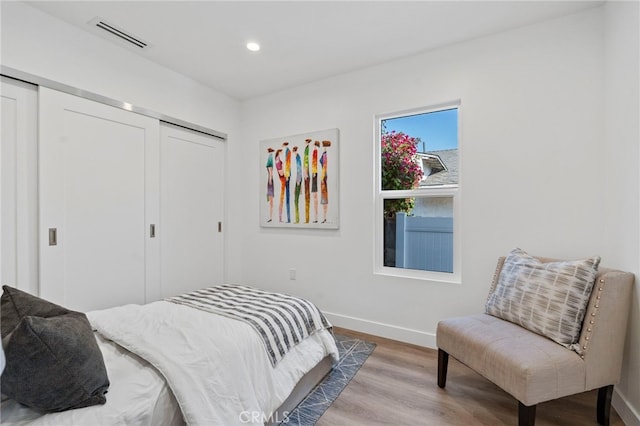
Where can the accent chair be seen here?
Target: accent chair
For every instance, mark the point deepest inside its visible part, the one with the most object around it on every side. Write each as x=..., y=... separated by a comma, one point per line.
x=532, y=367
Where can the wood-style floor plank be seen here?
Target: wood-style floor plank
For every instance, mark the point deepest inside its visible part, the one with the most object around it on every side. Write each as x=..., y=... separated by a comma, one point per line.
x=397, y=385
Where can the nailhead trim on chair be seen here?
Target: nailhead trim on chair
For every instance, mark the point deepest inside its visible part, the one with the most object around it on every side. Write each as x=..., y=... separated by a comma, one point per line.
x=586, y=337
x=496, y=274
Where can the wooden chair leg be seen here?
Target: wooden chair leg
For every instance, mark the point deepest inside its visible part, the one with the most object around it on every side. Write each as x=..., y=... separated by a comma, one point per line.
x=443, y=363
x=604, y=404
x=526, y=414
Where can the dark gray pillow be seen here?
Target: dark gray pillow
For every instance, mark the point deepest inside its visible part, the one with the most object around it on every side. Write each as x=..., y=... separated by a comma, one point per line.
x=16, y=304
x=53, y=360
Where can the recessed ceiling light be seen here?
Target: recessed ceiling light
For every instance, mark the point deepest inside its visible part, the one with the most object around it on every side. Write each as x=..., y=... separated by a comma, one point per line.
x=252, y=46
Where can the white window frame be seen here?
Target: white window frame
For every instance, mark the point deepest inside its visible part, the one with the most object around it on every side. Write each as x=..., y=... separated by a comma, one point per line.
x=453, y=191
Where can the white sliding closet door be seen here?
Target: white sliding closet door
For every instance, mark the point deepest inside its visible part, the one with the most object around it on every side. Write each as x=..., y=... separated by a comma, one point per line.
x=18, y=163
x=99, y=192
x=191, y=200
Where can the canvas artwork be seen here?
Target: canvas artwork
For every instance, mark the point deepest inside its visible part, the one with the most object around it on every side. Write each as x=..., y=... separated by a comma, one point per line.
x=299, y=181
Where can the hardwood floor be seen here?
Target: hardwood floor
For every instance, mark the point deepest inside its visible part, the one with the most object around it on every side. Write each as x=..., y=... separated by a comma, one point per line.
x=397, y=386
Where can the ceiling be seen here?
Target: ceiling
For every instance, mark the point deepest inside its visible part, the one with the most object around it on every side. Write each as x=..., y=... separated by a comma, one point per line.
x=302, y=41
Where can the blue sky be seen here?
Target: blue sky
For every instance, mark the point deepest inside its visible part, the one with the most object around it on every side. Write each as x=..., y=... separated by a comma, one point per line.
x=437, y=130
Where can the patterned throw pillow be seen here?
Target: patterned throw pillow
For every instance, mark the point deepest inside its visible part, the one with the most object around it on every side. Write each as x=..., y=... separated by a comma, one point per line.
x=547, y=298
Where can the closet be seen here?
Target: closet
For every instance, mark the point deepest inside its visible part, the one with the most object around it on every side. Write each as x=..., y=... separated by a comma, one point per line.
x=98, y=195
x=191, y=210
x=129, y=208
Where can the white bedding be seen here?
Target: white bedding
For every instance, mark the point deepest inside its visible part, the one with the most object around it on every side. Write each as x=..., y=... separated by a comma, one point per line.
x=216, y=366
x=138, y=396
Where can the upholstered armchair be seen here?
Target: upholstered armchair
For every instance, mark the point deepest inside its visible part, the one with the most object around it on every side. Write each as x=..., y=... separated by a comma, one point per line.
x=532, y=367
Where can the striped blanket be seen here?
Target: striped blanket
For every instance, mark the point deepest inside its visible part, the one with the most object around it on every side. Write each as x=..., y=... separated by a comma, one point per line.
x=280, y=320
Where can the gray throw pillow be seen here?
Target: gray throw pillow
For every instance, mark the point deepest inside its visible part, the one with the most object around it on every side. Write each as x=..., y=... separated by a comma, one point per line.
x=547, y=298
x=17, y=304
x=53, y=360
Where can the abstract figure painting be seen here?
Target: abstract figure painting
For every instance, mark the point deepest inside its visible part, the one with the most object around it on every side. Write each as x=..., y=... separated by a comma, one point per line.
x=299, y=175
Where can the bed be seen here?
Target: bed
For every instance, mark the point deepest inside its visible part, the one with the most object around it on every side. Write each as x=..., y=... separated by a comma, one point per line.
x=173, y=362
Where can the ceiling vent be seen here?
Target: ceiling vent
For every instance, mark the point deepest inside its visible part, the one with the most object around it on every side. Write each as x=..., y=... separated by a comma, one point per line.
x=122, y=35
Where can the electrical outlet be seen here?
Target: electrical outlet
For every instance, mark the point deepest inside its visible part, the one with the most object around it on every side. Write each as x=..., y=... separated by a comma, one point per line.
x=292, y=274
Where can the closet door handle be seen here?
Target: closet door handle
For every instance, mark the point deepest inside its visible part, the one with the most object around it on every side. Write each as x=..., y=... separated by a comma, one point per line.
x=53, y=236
x=152, y=231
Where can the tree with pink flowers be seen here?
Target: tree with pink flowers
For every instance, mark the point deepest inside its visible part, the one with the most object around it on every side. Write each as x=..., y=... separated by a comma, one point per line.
x=400, y=170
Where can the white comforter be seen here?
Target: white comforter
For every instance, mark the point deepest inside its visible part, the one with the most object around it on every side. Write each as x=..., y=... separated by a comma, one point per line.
x=216, y=367
x=138, y=396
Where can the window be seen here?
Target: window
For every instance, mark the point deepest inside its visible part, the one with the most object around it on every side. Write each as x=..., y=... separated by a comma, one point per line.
x=417, y=194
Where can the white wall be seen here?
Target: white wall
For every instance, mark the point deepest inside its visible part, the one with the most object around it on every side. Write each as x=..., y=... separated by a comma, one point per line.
x=622, y=179
x=531, y=143
x=37, y=43
x=543, y=167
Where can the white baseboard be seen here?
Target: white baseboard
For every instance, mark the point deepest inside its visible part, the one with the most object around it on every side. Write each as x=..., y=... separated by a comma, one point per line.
x=389, y=331
x=623, y=407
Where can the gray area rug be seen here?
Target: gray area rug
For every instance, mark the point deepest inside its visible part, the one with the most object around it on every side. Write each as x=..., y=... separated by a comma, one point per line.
x=353, y=353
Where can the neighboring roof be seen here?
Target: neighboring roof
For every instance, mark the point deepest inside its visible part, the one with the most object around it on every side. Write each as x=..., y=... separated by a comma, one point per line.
x=441, y=176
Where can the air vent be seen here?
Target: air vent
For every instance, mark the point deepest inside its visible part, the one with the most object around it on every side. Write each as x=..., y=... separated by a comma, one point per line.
x=113, y=30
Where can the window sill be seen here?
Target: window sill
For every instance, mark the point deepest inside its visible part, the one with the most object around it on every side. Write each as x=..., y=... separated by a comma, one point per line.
x=435, y=277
